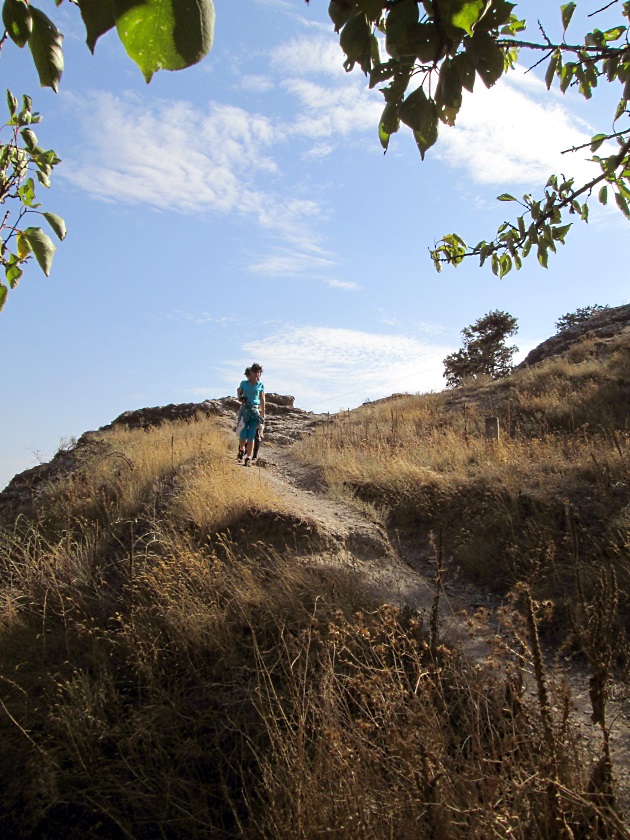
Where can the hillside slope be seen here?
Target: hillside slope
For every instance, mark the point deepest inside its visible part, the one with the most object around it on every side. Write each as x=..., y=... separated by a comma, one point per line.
x=344, y=639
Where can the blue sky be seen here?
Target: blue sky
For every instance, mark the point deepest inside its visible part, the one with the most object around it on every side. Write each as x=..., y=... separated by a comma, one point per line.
x=243, y=210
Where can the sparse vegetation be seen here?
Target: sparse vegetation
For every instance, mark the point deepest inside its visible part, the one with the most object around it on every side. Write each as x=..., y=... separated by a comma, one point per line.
x=552, y=492
x=581, y=314
x=172, y=664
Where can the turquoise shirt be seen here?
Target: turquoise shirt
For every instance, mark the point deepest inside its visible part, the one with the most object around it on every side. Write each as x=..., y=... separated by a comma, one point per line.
x=251, y=392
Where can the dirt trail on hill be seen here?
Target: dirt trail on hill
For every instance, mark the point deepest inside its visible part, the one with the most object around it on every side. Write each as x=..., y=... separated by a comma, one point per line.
x=397, y=572
x=403, y=573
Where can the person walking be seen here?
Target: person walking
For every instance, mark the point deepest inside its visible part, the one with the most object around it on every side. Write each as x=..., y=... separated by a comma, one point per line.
x=251, y=393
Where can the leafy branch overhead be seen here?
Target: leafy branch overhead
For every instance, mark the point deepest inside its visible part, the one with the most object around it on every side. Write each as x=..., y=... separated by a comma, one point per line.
x=435, y=50
x=157, y=34
x=22, y=162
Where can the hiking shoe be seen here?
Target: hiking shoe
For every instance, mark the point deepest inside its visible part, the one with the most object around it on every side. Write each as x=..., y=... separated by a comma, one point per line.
x=239, y=457
x=246, y=461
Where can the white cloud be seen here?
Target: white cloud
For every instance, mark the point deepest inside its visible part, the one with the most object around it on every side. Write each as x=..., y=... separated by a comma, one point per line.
x=171, y=156
x=309, y=56
x=349, y=285
x=291, y=263
x=256, y=84
x=327, y=369
x=515, y=133
x=318, y=152
x=330, y=111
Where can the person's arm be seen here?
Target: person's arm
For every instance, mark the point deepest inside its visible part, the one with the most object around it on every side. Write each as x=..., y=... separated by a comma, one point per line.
x=262, y=403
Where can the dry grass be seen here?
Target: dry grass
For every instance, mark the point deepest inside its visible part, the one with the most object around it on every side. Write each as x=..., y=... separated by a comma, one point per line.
x=165, y=673
x=551, y=494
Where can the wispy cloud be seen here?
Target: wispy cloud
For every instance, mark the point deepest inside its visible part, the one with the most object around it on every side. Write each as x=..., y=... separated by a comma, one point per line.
x=327, y=369
x=171, y=156
x=226, y=160
x=308, y=56
x=349, y=285
x=289, y=263
x=515, y=133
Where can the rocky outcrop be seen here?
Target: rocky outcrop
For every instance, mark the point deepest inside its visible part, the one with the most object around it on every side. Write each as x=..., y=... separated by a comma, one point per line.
x=601, y=328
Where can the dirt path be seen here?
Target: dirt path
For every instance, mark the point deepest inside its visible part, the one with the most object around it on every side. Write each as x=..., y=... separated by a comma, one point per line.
x=404, y=574
x=398, y=572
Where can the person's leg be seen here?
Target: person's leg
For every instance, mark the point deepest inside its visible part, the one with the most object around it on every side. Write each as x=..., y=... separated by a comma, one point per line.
x=250, y=434
x=242, y=444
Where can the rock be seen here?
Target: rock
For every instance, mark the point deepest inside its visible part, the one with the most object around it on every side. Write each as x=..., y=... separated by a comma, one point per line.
x=278, y=399
x=601, y=327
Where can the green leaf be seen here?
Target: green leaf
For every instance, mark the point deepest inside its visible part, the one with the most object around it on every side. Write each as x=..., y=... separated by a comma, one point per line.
x=30, y=138
x=27, y=193
x=99, y=17
x=399, y=28
x=420, y=114
x=506, y=197
x=448, y=93
x=356, y=42
x=614, y=34
x=45, y=47
x=42, y=246
x=340, y=12
x=56, y=223
x=468, y=14
x=486, y=57
x=12, y=103
x=425, y=42
x=165, y=34
x=622, y=204
x=543, y=256
x=559, y=233
x=389, y=123
x=552, y=68
x=505, y=265
x=380, y=72
x=597, y=141
x=498, y=13
x=567, y=13
x=603, y=195
x=372, y=8
x=13, y=273
x=3, y=295
x=395, y=91
x=465, y=70
x=17, y=20
x=428, y=135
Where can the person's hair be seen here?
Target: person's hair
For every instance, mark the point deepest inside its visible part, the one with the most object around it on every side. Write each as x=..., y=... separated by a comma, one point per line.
x=247, y=371
x=256, y=367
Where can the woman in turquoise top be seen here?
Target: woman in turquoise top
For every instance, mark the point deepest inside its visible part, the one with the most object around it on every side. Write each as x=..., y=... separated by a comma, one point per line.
x=251, y=393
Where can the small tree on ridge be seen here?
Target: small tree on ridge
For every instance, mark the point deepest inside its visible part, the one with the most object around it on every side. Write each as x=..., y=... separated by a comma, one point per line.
x=484, y=351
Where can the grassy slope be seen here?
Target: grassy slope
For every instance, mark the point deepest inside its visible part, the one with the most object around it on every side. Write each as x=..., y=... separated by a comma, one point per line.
x=166, y=673
x=547, y=504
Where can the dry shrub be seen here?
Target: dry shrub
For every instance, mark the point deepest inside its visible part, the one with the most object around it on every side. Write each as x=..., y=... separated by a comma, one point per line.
x=372, y=736
x=214, y=694
x=128, y=711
